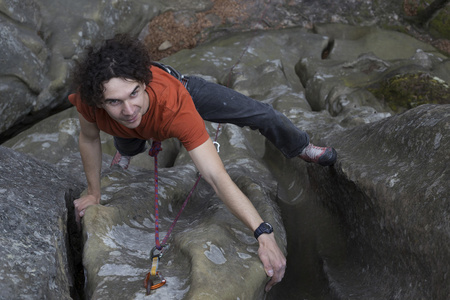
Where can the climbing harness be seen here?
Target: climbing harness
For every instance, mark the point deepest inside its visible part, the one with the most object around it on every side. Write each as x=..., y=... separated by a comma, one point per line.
x=154, y=278
x=182, y=78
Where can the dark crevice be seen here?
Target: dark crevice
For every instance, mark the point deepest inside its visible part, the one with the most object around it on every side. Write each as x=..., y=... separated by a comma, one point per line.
x=74, y=249
x=31, y=119
x=326, y=52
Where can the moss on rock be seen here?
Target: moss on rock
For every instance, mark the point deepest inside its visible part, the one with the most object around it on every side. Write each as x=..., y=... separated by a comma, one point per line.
x=440, y=25
x=406, y=91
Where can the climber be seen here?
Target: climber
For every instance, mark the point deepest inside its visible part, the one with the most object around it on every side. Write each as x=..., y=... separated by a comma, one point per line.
x=120, y=91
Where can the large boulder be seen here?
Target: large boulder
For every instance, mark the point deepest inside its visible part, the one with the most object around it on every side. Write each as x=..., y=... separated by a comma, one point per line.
x=41, y=40
x=35, y=256
x=208, y=245
x=359, y=62
x=390, y=194
x=332, y=215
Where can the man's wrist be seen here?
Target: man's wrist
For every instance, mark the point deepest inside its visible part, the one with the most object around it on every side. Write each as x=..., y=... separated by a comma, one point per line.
x=96, y=196
x=263, y=228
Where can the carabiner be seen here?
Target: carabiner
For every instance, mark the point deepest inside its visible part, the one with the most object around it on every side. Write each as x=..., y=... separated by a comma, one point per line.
x=154, y=253
x=150, y=284
x=217, y=146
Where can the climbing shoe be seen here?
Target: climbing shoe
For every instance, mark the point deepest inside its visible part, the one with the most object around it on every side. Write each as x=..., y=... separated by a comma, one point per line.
x=121, y=160
x=324, y=156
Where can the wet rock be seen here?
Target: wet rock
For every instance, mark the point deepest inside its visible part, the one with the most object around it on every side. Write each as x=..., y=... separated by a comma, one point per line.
x=41, y=39
x=352, y=41
x=439, y=25
x=406, y=91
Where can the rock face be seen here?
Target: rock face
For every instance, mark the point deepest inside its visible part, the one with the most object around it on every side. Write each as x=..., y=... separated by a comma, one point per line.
x=351, y=225
x=390, y=190
x=386, y=202
x=40, y=40
x=208, y=244
x=374, y=226
x=34, y=253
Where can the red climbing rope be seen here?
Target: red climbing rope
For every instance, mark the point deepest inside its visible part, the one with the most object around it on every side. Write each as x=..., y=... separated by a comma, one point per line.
x=153, y=152
x=155, y=149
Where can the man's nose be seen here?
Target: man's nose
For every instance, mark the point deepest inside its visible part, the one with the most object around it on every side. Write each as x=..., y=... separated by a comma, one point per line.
x=127, y=108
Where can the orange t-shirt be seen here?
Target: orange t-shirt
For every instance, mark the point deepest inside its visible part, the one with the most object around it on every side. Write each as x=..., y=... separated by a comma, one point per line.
x=171, y=113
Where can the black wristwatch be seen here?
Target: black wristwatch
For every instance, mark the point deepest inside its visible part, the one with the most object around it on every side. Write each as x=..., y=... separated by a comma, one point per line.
x=263, y=228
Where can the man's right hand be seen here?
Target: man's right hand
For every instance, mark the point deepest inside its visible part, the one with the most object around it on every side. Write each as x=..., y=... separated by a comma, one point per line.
x=82, y=203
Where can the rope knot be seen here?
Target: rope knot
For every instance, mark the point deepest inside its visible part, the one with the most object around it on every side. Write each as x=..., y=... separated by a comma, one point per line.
x=155, y=149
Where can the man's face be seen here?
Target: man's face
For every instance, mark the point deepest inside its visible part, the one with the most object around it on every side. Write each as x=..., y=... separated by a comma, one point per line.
x=126, y=101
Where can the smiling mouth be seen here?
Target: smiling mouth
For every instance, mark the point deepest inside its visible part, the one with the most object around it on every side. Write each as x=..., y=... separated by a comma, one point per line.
x=132, y=120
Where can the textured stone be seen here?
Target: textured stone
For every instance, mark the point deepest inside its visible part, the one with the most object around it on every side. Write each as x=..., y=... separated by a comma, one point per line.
x=208, y=244
x=40, y=40
x=33, y=254
x=358, y=61
x=373, y=226
x=390, y=191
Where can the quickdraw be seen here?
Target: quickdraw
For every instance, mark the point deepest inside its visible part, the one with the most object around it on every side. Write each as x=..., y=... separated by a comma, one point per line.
x=154, y=279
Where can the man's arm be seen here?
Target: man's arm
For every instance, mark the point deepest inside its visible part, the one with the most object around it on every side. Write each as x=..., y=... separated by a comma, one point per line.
x=91, y=156
x=209, y=164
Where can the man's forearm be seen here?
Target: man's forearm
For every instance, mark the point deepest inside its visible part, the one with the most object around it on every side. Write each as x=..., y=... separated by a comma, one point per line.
x=91, y=156
x=237, y=202
x=210, y=166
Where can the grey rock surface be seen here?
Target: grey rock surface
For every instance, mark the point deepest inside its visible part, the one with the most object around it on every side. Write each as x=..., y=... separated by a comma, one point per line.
x=207, y=246
x=390, y=191
x=40, y=42
x=34, y=249
x=374, y=226
x=42, y=39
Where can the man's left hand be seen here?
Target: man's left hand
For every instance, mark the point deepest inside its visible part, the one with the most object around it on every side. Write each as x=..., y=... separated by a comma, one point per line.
x=272, y=258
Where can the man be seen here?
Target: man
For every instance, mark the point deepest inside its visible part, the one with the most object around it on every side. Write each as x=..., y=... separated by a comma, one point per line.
x=121, y=92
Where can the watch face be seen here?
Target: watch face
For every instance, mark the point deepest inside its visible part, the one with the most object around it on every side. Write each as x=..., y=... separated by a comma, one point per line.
x=266, y=227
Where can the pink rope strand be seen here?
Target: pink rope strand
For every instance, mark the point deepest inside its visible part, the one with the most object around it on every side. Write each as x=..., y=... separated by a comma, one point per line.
x=153, y=152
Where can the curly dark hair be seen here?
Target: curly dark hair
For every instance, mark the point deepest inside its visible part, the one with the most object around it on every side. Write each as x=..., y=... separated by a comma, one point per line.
x=119, y=57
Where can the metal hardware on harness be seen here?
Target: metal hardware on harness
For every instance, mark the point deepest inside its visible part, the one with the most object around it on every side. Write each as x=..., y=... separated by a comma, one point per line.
x=159, y=255
x=217, y=146
x=151, y=284
x=154, y=279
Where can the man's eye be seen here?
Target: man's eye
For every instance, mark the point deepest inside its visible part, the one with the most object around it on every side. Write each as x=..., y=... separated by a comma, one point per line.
x=134, y=93
x=112, y=102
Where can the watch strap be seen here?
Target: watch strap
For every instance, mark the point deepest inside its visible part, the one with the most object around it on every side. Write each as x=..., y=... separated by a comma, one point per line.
x=264, y=227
